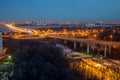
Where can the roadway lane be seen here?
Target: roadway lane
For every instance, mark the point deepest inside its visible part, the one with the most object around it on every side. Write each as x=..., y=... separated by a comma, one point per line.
x=18, y=29
x=111, y=43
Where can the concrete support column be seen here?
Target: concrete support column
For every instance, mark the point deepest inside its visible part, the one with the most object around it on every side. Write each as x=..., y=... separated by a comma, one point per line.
x=81, y=44
x=93, y=47
x=88, y=48
x=105, y=51
x=109, y=49
x=74, y=45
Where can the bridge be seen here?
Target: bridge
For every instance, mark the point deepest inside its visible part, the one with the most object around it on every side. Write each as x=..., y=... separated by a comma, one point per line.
x=89, y=43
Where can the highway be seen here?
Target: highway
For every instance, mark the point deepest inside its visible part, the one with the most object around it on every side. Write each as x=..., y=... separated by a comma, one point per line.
x=88, y=41
x=26, y=37
x=18, y=29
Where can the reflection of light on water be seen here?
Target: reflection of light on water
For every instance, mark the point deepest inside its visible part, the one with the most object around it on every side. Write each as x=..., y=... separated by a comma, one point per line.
x=95, y=71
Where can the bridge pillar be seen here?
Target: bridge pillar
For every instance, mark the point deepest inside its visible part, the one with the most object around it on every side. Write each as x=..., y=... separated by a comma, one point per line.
x=88, y=48
x=93, y=47
x=81, y=44
x=75, y=45
x=1, y=47
x=105, y=51
x=109, y=49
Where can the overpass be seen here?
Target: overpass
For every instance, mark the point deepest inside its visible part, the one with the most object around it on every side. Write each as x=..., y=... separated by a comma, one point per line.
x=90, y=43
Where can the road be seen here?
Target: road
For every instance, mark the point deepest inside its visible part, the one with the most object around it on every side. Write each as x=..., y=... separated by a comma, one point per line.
x=88, y=41
x=18, y=29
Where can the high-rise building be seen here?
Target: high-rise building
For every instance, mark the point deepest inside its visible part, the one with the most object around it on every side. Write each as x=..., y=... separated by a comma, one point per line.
x=1, y=43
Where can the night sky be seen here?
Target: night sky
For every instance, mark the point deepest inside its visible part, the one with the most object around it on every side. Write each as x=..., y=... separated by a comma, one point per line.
x=59, y=10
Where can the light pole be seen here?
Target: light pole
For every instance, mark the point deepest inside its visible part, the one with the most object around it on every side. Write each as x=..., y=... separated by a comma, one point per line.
x=111, y=37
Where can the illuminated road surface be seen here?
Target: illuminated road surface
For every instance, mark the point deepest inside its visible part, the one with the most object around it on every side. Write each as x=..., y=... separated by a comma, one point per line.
x=88, y=41
x=18, y=29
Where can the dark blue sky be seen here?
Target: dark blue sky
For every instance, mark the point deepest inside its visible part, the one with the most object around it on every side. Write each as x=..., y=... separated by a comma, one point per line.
x=59, y=10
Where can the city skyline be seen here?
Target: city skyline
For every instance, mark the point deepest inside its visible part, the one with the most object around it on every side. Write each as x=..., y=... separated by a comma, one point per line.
x=59, y=10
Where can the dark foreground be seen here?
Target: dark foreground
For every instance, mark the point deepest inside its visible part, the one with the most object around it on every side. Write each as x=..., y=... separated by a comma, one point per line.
x=39, y=60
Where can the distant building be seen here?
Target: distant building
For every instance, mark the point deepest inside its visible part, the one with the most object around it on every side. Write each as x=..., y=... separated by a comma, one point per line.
x=90, y=25
x=1, y=43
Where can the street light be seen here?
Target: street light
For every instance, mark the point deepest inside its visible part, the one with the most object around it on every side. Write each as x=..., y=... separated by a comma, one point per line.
x=9, y=58
x=111, y=36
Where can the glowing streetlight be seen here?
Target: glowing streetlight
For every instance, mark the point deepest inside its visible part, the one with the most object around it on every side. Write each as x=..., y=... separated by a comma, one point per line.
x=111, y=36
x=10, y=57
